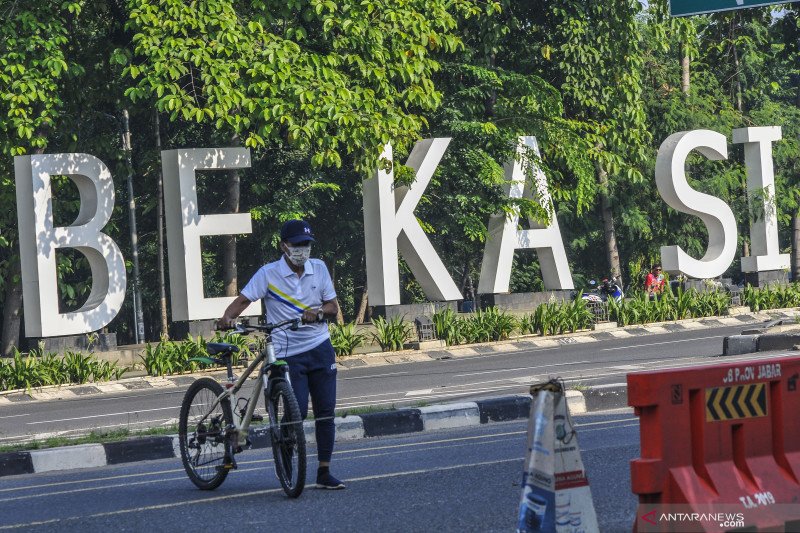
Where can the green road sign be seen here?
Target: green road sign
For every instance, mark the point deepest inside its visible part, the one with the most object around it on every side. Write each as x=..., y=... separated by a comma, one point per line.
x=681, y=8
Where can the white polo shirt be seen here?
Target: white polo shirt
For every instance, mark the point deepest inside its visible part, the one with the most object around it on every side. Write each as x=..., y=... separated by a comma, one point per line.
x=286, y=296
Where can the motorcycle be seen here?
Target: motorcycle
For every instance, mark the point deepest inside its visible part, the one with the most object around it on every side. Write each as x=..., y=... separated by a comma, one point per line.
x=608, y=288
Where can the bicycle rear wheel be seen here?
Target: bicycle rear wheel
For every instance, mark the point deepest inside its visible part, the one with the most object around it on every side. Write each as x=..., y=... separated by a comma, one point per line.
x=201, y=433
x=288, y=439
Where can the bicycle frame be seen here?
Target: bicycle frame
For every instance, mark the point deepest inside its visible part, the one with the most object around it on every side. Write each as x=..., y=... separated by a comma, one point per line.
x=270, y=364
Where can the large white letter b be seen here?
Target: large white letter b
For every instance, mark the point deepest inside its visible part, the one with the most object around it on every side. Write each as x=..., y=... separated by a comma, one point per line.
x=39, y=240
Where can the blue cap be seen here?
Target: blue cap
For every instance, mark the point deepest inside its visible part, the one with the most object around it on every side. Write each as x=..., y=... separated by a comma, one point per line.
x=296, y=232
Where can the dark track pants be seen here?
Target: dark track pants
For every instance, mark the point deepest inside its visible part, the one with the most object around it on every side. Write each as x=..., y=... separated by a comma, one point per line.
x=314, y=372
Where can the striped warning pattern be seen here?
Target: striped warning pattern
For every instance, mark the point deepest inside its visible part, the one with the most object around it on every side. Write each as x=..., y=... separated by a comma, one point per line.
x=733, y=403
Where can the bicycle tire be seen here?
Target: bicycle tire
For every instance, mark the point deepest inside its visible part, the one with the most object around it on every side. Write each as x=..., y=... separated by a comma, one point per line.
x=201, y=433
x=288, y=439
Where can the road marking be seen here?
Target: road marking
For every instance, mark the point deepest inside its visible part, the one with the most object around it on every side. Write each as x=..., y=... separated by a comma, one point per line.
x=195, y=501
x=519, y=368
x=375, y=376
x=420, y=392
x=658, y=343
x=338, y=453
x=14, y=416
x=367, y=396
x=615, y=427
x=106, y=414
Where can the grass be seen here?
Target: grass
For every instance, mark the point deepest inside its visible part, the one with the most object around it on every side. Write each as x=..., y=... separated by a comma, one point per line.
x=366, y=409
x=94, y=437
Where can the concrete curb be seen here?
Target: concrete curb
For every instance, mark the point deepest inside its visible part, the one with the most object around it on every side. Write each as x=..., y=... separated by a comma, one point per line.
x=761, y=342
x=378, y=424
x=517, y=344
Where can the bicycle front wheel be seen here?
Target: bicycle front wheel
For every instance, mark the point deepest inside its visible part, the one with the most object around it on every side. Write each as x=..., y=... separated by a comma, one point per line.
x=201, y=433
x=288, y=439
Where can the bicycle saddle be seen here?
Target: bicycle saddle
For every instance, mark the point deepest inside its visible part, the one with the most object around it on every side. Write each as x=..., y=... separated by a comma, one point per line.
x=214, y=348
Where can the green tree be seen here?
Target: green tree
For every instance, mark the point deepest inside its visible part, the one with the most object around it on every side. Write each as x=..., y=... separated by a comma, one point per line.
x=592, y=52
x=34, y=68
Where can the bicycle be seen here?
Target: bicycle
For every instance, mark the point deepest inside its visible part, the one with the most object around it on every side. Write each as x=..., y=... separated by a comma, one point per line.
x=210, y=435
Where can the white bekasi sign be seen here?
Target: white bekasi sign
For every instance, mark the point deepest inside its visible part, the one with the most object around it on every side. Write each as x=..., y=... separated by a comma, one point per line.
x=715, y=214
x=390, y=225
x=761, y=188
x=39, y=240
x=185, y=226
x=504, y=237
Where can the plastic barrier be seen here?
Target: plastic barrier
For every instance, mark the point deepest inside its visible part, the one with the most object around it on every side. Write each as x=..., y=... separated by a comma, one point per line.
x=720, y=447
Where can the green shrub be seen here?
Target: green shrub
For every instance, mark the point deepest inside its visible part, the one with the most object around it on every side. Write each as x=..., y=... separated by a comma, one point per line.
x=554, y=318
x=79, y=367
x=682, y=304
x=771, y=296
x=173, y=357
x=345, y=339
x=493, y=325
x=447, y=327
x=38, y=369
x=391, y=334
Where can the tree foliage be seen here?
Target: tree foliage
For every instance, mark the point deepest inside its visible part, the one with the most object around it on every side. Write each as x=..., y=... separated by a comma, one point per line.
x=316, y=88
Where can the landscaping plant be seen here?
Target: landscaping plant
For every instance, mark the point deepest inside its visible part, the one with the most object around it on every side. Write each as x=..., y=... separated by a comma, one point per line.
x=391, y=334
x=345, y=339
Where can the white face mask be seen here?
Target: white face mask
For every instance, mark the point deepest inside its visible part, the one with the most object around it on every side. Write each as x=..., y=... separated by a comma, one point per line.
x=298, y=255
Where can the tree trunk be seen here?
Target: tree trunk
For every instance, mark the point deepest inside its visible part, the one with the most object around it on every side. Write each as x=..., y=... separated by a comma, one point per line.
x=12, y=306
x=361, y=316
x=796, y=246
x=612, y=251
x=339, y=313
x=471, y=293
x=230, y=281
x=739, y=102
x=685, y=70
x=162, y=285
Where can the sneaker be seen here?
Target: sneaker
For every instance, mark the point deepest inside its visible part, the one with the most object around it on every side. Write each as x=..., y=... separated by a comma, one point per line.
x=327, y=481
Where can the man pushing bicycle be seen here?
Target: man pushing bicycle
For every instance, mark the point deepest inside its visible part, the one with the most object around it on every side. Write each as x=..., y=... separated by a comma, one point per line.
x=290, y=286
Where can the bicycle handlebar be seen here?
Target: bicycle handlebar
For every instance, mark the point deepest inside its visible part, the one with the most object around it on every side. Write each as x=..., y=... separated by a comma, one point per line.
x=240, y=328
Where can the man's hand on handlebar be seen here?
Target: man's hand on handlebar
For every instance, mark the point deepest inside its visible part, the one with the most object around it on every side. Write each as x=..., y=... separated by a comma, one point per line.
x=311, y=316
x=225, y=323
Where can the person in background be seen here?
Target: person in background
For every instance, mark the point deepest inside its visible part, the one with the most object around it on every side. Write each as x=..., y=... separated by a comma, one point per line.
x=292, y=286
x=654, y=283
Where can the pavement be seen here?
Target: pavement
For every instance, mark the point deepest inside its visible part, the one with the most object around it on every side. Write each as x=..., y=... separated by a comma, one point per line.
x=465, y=479
x=348, y=428
x=355, y=427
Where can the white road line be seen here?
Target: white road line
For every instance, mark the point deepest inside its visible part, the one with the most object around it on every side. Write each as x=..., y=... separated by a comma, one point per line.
x=374, y=375
x=519, y=368
x=13, y=416
x=420, y=392
x=368, y=396
x=434, y=396
x=195, y=501
x=338, y=453
x=658, y=343
x=106, y=414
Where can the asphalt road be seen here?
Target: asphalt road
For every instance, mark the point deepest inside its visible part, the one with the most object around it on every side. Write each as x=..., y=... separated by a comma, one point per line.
x=457, y=480
x=591, y=364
